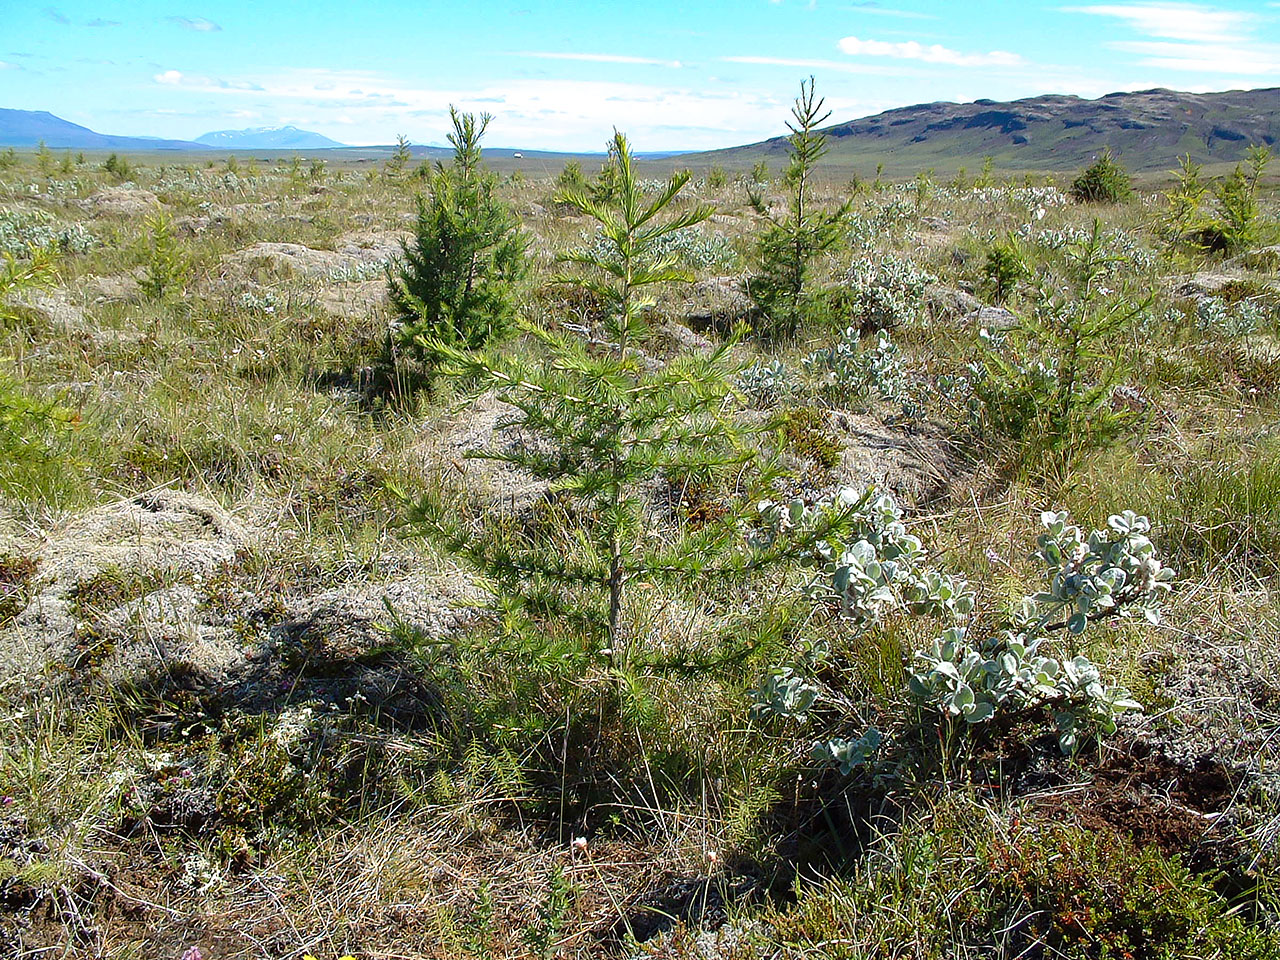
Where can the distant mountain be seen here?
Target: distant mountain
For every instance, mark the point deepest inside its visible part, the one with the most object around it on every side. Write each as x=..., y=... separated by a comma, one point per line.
x=266, y=138
x=26, y=128
x=1147, y=130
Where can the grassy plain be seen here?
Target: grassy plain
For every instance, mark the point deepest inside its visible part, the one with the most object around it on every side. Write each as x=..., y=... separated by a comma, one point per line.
x=218, y=735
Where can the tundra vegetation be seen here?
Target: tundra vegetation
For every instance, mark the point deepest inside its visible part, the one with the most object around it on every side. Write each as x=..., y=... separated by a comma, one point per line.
x=436, y=563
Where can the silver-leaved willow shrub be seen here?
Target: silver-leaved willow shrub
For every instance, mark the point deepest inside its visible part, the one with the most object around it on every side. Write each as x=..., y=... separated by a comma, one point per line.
x=847, y=372
x=882, y=567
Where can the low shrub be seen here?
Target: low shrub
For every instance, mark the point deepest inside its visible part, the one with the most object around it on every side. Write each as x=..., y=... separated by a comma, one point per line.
x=1104, y=181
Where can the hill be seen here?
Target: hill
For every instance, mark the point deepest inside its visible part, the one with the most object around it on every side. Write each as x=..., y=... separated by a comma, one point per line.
x=26, y=128
x=1148, y=130
x=266, y=138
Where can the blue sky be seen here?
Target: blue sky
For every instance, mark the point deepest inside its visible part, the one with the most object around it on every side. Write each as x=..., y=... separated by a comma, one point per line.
x=560, y=74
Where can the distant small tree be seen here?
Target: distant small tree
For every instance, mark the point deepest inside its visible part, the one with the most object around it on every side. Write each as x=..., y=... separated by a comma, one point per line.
x=790, y=243
x=605, y=188
x=8, y=159
x=1236, y=226
x=44, y=159
x=399, y=160
x=1104, y=181
x=571, y=177
x=760, y=173
x=454, y=281
x=986, y=178
x=717, y=178
x=1003, y=269
x=167, y=267
x=924, y=189
x=1184, y=199
x=118, y=167
x=80, y=161
x=67, y=165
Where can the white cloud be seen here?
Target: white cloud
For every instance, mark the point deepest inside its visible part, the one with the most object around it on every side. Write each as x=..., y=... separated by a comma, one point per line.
x=8, y=66
x=933, y=53
x=832, y=65
x=1176, y=21
x=1255, y=60
x=599, y=58
x=1192, y=37
x=176, y=78
x=570, y=115
x=875, y=9
x=198, y=24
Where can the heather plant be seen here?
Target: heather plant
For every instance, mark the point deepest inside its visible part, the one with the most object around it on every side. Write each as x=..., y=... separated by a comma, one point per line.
x=454, y=284
x=790, y=244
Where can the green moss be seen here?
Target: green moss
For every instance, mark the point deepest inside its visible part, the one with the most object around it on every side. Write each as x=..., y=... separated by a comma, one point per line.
x=808, y=436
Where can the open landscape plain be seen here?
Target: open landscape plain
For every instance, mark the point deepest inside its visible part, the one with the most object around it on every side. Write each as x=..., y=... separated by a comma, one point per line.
x=407, y=561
